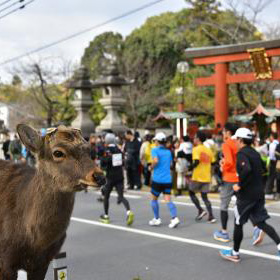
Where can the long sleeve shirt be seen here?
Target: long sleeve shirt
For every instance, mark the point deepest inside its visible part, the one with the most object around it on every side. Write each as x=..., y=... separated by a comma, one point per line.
x=249, y=168
x=229, y=150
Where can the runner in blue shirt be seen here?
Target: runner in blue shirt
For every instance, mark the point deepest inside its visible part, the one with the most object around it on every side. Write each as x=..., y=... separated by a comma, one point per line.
x=162, y=181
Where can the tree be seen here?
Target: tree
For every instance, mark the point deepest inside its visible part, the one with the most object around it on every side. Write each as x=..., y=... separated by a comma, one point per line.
x=45, y=84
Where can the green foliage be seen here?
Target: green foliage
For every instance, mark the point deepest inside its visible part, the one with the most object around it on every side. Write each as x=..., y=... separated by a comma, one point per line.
x=93, y=57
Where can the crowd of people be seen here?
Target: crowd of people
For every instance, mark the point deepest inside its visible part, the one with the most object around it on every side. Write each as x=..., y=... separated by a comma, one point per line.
x=234, y=162
x=241, y=165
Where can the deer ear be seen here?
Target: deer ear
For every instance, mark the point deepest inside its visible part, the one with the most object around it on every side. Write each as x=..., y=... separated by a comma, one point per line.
x=29, y=137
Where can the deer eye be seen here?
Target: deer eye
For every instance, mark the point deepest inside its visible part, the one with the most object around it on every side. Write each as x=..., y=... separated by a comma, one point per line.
x=58, y=154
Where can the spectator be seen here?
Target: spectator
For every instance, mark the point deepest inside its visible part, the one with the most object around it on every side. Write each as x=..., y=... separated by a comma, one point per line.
x=145, y=157
x=132, y=161
x=5, y=147
x=181, y=167
x=272, y=165
x=15, y=149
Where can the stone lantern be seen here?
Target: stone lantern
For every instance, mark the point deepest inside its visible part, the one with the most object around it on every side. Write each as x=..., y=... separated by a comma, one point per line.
x=112, y=100
x=82, y=101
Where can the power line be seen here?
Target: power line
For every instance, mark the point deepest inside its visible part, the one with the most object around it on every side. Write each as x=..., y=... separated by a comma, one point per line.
x=81, y=32
x=16, y=9
x=10, y=6
x=5, y=2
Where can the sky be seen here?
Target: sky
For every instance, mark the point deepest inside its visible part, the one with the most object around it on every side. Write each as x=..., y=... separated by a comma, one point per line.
x=46, y=21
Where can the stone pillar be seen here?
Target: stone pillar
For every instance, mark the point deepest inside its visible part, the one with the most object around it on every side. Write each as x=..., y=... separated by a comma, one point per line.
x=112, y=99
x=82, y=101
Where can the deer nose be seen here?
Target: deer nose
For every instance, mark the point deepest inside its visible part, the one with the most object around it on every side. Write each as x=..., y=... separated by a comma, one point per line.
x=96, y=176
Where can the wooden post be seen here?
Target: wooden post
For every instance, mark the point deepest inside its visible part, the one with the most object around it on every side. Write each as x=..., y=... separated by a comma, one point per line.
x=60, y=267
x=221, y=94
x=185, y=126
x=178, y=128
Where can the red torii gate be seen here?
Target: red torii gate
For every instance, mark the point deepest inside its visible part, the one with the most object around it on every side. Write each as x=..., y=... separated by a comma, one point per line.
x=260, y=54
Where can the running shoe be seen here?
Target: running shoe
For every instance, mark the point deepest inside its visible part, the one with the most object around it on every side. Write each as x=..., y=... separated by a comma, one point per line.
x=104, y=219
x=155, y=222
x=200, y=215
x=228, y=255
x=211, y=220
x=130, y=218
x=174, y=222
x=221, y=236
x=258, y=236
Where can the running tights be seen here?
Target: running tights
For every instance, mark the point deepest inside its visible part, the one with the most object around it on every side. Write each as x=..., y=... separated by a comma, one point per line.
x=205, y=200
x=224, y=219
x=238, y=234
x=121, y=199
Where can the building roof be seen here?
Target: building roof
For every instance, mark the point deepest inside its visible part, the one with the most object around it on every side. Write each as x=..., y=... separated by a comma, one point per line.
x=170, y=116
x=268, y=112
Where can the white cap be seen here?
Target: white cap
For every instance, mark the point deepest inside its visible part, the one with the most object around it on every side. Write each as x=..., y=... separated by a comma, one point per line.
x=160, y=136
x=244, y=133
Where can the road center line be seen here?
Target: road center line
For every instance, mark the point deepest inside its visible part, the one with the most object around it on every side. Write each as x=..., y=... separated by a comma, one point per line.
x=173, y=238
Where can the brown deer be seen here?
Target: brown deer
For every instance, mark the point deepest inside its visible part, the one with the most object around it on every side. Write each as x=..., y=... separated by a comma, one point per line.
x=36, y=203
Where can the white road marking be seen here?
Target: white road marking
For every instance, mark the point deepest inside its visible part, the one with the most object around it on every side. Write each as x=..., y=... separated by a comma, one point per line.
x=218, y=207
x=125, y=195
x=174, y=238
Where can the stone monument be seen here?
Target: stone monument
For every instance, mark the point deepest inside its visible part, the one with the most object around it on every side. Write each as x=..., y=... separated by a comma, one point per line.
x=82, y=101
x=111, y=82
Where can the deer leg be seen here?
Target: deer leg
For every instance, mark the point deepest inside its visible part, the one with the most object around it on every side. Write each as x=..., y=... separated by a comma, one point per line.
x=8, y=274
x=6, y=270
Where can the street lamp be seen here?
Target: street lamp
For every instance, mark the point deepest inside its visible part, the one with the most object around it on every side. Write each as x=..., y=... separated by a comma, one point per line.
x=182, y=68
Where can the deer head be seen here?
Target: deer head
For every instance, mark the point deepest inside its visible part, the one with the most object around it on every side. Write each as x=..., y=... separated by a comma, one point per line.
x=63, y=158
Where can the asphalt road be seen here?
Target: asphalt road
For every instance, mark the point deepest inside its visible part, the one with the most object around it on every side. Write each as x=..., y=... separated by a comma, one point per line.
x=115, y=252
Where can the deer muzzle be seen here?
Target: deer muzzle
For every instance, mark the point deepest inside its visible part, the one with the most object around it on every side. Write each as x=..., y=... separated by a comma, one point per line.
x=94, y=178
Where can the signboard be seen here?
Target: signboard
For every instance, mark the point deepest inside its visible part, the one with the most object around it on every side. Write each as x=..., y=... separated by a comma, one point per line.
x=260, y=63
x=61, y=273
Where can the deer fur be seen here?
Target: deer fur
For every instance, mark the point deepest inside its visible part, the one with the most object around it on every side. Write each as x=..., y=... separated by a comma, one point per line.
x=36, y=203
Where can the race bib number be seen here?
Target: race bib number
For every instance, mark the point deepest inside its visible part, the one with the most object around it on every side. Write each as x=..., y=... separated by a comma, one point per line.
x=117, y=159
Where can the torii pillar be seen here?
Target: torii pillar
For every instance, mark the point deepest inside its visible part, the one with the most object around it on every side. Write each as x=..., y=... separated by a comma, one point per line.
x=221, y=93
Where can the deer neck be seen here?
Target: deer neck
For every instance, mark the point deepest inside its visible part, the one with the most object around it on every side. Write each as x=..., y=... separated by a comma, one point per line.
x=49, y=214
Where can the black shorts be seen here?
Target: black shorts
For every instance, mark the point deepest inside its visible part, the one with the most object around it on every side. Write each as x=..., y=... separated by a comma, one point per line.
x=253, y=209
x=158, y=188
